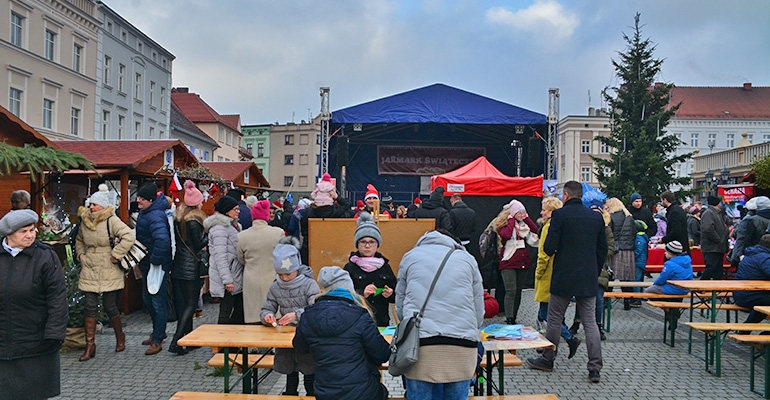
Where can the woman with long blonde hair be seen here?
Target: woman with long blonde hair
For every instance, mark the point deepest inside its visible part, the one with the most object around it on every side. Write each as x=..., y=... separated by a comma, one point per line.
x=624, y=233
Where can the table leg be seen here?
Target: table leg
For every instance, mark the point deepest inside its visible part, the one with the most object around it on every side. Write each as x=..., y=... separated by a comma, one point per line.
x=246, y=370
x=718, y=346
x=489, y=373
x=713, y=306
x=767, y=372
x=751, y=369
x=500, y=368
x=227, y=370
x=689, y=336
x=608, y=309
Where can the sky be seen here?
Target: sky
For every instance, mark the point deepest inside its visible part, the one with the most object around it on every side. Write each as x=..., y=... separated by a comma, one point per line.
x=266, y=59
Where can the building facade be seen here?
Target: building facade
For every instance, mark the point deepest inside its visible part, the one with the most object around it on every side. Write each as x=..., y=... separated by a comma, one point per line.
x=256, y=139
x=295, y=155
x=575, y=144
x=200, y=144
x=49, y=48
x=133, y=75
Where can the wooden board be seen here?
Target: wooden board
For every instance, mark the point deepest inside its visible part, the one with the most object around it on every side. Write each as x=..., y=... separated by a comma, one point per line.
x=721, y=285
x=232, y=396
x=331, y=240
x=720, y=326
x=762, y=309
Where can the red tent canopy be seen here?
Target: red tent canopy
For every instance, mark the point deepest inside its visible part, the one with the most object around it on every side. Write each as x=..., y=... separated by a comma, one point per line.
x=481, y=178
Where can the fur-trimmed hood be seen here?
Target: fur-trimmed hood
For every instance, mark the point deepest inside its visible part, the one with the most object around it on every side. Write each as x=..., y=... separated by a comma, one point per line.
x=90, y=220
x=217, y=219
x=196, y=215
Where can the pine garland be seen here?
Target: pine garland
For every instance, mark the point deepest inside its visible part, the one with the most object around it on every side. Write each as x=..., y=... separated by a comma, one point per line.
x=37, y=160
x=204, y=175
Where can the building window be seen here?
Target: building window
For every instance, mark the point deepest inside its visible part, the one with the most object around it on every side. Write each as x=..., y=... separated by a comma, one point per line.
x=228, y=138
x=107, y=70
x=138, y=86
x=585, y=146
x=288, y=180
x=317, y=159
x=15, y=102
x=137, y=130
x=765, y=138
x=317, y=139
x=585, y=174
x=122, y=78
x=607, y=171
x=694, y=140
x=17, y=24
x=152, y=133
x=47, y=114
x=303, y=160
x=288, y=159
x=221, y=135
x=123, y=36
x=77, y=54
x=249, y=146
x=161, y=133
x=219, y=158
x=162, y=99
x=604, y=148
x=288, y=140
x=152, y=94
x=712, y=140
x=75, y=121
x=730, y=140
x=105, y=124
x=260, y=149
x=750, y=138
x=139, y=47
x=121, y=126
x=50, y=45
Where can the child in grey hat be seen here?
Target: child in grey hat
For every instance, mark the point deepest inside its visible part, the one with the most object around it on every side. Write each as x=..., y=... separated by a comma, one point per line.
x=293, y=290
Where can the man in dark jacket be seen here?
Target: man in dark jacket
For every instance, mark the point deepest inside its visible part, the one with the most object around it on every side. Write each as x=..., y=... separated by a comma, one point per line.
x=676, y=225
x=244, y=218
x=713, y=239
x=751, y=228
x=434, y=208
x=463, y=218
x=578, y=243
x=152, y=230
x=641, y=213
x=754, y=266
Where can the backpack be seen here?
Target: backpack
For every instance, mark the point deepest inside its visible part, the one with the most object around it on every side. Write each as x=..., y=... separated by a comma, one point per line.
x=488, y=243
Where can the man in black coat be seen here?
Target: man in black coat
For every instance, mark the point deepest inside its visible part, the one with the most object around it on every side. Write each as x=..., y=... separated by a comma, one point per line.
x=676, y=225
x=463, y=218
x=434, y=208
x=577, y=241
x=639, y=212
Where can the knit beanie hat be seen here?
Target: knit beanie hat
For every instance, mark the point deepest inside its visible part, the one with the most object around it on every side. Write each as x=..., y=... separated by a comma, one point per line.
x=367, y=228
x=225, y=204
x=752, y=203
x=286, y=256
x=763, y=202
x=437, y=195
x=17, y=219
x=101, y=197
x=371, y=192
x=326, y=177
x=515, y=206
x=148, y=192
x=304, y=203
x=635, y=197
x=236, y=193
x=335, y=278
x=192, y=196
x=261, y=210
x=640, y=225
x=713, y=200
x=674, y=247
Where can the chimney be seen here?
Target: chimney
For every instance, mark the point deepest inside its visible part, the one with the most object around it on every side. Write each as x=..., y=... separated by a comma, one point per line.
x=747, y=86
x=591, y=111
x=182, y=90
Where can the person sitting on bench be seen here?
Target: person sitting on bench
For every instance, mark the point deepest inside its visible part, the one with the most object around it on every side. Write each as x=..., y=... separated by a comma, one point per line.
x=678, y=266
x=755, y=265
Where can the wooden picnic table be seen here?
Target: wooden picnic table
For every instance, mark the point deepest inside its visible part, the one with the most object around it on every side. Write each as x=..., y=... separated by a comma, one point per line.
x=762, y=309
x=625, y=284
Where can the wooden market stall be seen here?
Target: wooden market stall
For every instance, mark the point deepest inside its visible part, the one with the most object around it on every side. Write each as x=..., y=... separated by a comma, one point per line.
x=243, y=174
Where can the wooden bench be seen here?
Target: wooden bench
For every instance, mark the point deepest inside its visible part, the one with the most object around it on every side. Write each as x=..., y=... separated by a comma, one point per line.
x=714, y=337
x=626, y=284
x=232, y=396
x=760, y=345
x=609, y=297
x=674, y=310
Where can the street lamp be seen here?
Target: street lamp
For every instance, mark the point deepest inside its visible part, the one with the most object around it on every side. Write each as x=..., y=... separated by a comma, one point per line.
x=710, y=181
x=725, y=174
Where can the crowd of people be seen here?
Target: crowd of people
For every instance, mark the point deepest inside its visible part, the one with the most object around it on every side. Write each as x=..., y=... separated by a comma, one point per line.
x=256, y=255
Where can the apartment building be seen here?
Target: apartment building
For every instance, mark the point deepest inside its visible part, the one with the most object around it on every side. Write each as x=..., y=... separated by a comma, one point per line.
x=295, y=155
x=133, y=75
x=575, y=145
x=49, y=48
x=256, y=140
x=197, y=141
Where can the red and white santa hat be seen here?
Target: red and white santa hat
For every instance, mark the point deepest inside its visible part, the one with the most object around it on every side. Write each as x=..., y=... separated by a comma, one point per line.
x=371, y=192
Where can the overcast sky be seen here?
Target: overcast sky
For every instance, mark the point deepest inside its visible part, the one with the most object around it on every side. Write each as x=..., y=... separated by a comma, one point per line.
x=266, y=59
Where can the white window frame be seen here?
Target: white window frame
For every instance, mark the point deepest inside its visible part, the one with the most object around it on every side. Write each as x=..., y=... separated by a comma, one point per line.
x=75, y=121
x=585, y=146
x=77, y=57
x=730, y=140
x=137, y=86
x=162, y=98
x=15, y=101
x=152, y=133
x=585, y=174
x=604, y=148
x=17, y=29
x=121, y=78
x=694, y=140
x=152, y=94
x=48, y=113
x=105, y=124
x=50, y=45
x=121, y=126
x=107, y=70
x=137, y=129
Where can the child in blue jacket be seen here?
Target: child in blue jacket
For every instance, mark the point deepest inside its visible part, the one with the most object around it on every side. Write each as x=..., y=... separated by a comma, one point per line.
x=640, y=251
x=677, y=267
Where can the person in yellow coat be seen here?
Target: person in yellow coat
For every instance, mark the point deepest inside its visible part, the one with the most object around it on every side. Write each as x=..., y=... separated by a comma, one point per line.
x=543, y=275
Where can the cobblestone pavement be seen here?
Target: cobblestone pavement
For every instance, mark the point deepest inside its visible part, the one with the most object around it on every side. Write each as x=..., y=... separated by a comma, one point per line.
x=637, y=365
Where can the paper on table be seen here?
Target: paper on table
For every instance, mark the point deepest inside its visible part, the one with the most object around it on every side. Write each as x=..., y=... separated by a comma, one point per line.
x=387, y=330
x=502, y=331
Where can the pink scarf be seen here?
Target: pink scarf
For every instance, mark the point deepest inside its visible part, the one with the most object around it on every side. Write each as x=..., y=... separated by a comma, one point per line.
x=368, y=264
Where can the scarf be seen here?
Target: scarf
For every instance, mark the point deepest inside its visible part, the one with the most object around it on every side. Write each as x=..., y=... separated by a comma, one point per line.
x=292, y=284
x=368, y=264
x=339, y=292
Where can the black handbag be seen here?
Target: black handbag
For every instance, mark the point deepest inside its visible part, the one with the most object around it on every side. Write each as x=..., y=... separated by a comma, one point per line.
x=134, y=254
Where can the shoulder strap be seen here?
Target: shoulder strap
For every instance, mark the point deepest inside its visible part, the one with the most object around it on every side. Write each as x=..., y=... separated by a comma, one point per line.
x=109, y=235
x=432, y=285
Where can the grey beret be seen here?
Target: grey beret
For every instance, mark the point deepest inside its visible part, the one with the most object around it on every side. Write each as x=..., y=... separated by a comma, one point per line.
x=15, y=220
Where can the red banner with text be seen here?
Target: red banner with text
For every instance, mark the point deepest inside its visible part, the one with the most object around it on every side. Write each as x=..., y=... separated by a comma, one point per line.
x=424, y=160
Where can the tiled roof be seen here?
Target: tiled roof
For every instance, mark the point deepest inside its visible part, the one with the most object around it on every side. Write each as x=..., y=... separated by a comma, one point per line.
x=232, y=170
x=118, y=153
x=232, y=120
x=181, y=122
x=196, y=110
x=743, y=102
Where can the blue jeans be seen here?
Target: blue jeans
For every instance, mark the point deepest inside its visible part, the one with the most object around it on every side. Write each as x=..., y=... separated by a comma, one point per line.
x=421, y=390
x=157, y=305
x=542, y=315
x=639, y=276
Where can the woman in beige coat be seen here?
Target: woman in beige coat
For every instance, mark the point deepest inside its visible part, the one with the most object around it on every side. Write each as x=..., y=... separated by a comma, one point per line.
x=255, y=252
x=100, y=273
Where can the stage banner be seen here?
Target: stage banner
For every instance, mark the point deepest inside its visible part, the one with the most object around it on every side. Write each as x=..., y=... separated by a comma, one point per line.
x=424, y=160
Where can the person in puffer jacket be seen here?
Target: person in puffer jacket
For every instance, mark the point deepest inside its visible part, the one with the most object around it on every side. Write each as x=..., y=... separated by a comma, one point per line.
x=678, y=266
x=754, y=266
x=225, y=271
x=339, y=331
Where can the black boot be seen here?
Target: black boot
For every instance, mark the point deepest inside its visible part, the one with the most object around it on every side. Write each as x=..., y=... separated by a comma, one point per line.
x=626, y=304
x=510, y=321
x=292, y=384
x=601, y=332
x=575, y=326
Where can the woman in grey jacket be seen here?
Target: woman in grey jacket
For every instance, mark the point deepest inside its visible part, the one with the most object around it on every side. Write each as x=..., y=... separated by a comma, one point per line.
x=449, y=330
x=225, y=271
x=623, y=262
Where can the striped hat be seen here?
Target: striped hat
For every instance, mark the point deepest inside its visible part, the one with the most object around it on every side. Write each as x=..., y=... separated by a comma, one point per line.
x=674, y=247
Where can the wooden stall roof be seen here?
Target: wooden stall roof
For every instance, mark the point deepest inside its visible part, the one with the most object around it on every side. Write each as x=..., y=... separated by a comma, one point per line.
x=18, y=133
x=233, y=171
x=129, y=153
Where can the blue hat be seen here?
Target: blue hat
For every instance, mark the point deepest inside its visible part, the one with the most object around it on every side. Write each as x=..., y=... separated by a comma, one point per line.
x=595, y=203
x=635, y=197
